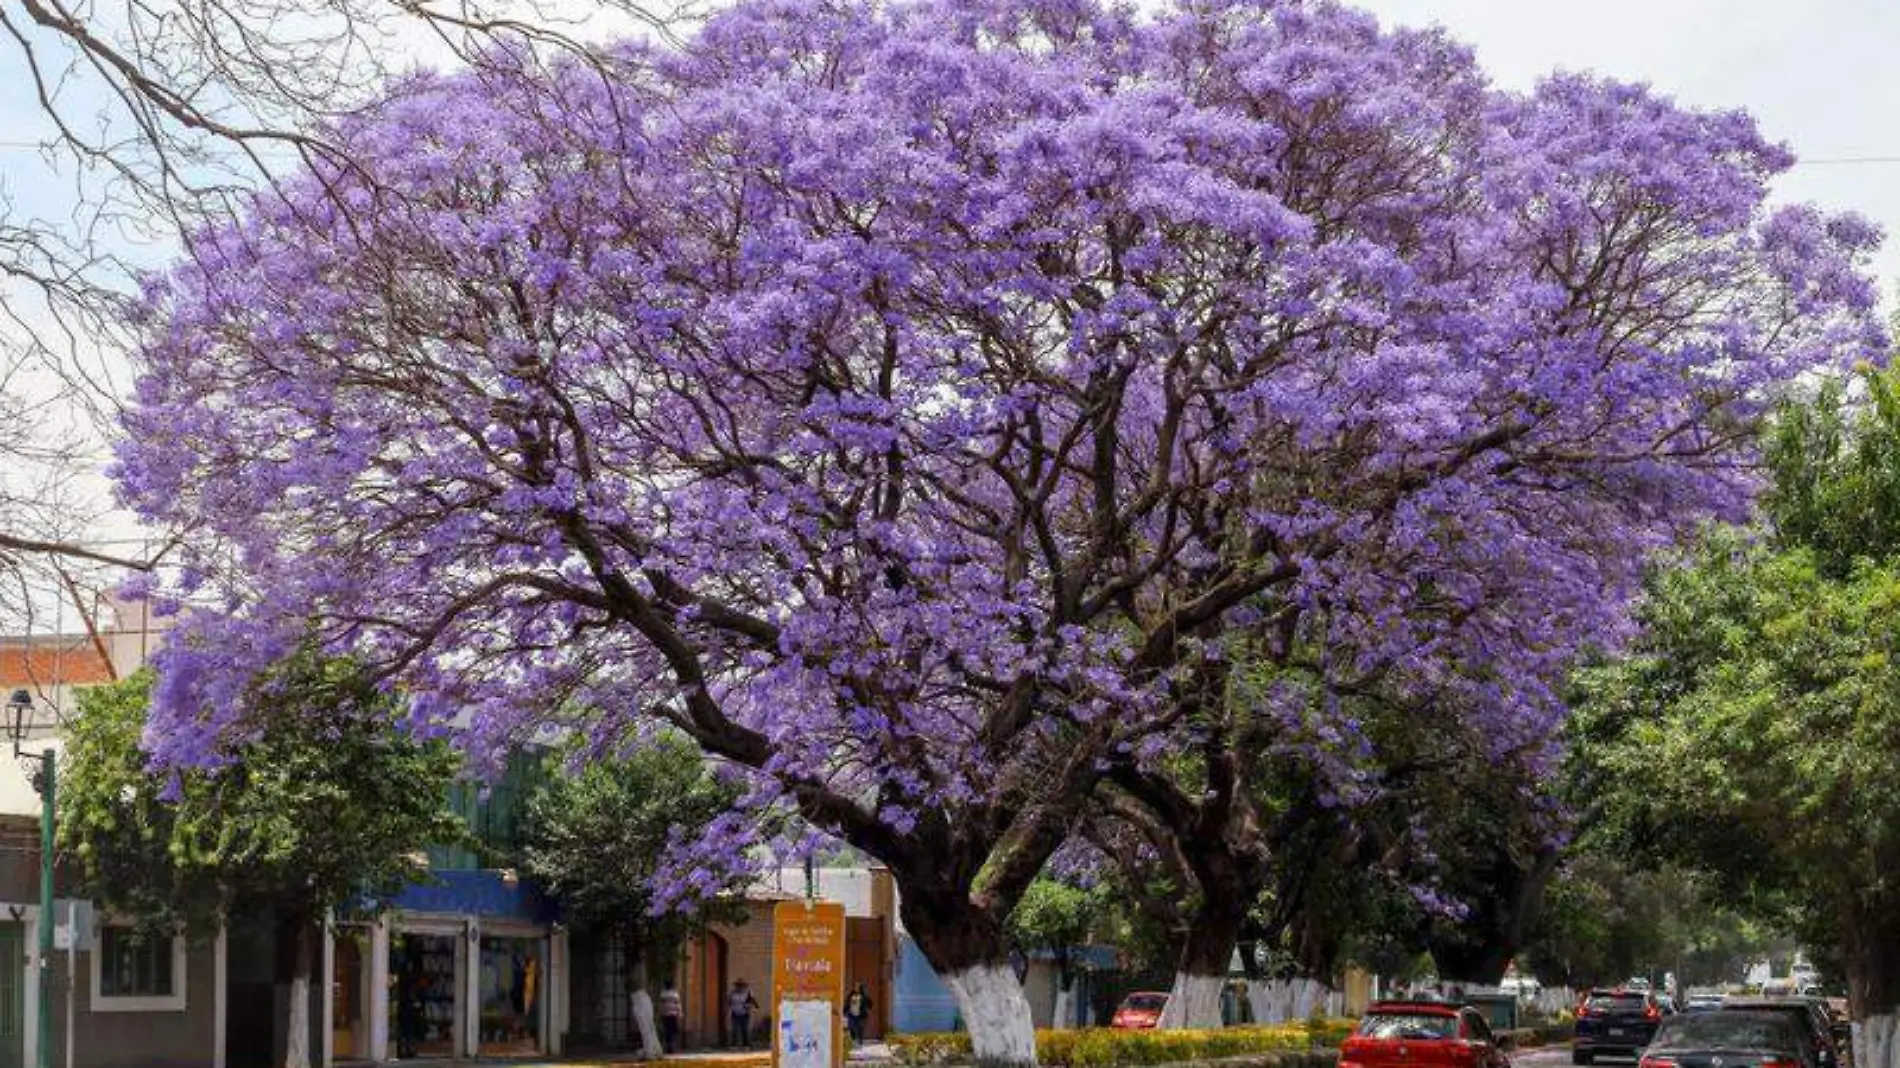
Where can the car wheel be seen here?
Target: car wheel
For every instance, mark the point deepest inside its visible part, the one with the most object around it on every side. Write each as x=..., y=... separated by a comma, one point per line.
x=1584, y=1056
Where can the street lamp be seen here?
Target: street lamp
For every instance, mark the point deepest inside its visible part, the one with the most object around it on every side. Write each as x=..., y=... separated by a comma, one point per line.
x=19, y=718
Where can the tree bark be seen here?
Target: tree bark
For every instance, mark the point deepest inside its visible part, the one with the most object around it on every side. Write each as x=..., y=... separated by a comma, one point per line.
x=1478, y=952
x=1870, y=952
x=965, y=945
x=651, y=1047
x=1208, y=953
x=1063, y=1017
x=297, y=1041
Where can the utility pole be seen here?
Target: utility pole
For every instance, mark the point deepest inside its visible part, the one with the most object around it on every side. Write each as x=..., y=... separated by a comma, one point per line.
x=46, y=784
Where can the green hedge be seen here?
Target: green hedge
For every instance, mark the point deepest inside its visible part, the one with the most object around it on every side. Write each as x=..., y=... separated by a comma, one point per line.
x=1097, y=1047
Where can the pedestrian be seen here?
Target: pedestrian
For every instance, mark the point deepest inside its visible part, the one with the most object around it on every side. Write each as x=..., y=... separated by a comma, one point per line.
x=671, y=1007
x=739, y=1005
x=857, y=1009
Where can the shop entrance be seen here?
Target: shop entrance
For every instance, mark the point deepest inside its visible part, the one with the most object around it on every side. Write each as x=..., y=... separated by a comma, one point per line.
x=349, y=1022
x=422, y=1003
x=512, y=986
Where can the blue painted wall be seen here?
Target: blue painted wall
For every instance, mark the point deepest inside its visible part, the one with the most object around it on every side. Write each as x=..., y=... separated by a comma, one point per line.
x=481, y=893
x=920, y=1001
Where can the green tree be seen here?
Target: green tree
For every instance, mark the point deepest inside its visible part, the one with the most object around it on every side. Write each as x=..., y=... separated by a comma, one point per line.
x=597, y=837
x=1056, y=916
x=1605, y=920
x=1755, y=730
x=322, y=803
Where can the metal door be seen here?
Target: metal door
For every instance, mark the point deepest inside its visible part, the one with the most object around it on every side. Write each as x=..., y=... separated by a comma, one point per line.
x=12, y=995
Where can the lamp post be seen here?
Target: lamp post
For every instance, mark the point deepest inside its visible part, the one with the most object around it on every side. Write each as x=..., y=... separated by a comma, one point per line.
x=45, y=783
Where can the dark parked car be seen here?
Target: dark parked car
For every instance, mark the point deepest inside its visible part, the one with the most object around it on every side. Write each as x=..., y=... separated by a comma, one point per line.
x=1422, y=1034
x=1615, y=1022
x=1731, y=1038
x=1810, y=1013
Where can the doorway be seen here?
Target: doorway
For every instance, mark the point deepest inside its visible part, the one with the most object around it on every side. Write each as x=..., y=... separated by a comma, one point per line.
x=866, y=961
x=12, y=995
x=349, y=1024
x=424, y=981
x=706, y=1001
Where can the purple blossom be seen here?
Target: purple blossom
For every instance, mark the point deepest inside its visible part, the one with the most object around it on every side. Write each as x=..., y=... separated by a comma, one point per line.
x=905, y=401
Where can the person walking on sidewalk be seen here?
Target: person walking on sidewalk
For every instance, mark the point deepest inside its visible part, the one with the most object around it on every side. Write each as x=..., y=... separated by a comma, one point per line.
x=671, y=1008
x=739, y=1005
x=857, y=1009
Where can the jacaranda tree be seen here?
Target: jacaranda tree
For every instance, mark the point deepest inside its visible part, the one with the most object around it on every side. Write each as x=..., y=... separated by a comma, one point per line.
x=907, y=401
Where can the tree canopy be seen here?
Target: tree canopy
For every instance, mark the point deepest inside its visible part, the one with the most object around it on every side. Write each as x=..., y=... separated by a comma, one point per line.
x=316, y=801
x=324, y=802
x=1755, y=731
x=598, y=834
x=912, y=402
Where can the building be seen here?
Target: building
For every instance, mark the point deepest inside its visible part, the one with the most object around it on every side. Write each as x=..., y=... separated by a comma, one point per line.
x=477, y=952
x=474, y=962
x=120, y=999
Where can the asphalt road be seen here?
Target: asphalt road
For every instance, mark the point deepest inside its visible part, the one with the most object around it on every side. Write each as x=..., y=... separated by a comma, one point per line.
x=1559, y=1057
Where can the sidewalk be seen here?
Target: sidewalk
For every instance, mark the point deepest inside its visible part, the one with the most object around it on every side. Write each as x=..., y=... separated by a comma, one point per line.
x=869, y=1053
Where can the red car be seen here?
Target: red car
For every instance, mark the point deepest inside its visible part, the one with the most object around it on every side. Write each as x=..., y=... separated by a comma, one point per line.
x=1140, y=1012
x=1419, y=1034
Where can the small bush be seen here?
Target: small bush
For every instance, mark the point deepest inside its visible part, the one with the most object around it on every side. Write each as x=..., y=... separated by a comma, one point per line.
x=1098, y=1047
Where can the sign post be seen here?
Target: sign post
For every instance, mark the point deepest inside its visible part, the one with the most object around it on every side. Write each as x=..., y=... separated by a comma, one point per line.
x=808, y=939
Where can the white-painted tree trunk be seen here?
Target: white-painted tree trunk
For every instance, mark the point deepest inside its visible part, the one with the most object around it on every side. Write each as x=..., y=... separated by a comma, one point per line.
x=650, y=1047
x=996, y=1013
x=1309, y=996
x=1272, y=1001
x=1065, y=1005
x=1875, y=1041
x=1278, y=1001
x=1258, y=1000
x=1194, y=1002
x=297, y=1041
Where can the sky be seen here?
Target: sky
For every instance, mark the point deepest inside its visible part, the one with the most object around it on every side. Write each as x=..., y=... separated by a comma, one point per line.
x=1820, y=75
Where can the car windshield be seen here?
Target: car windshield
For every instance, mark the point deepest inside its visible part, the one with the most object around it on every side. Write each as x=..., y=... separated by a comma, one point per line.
x=1729, y=1030
x=1408, y=1025
x=1617, y=1002
x=1146, y=1002
x=1799, y=1012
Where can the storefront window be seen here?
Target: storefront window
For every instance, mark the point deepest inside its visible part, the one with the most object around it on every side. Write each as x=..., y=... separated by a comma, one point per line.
x=511, y=986
x=422, y=995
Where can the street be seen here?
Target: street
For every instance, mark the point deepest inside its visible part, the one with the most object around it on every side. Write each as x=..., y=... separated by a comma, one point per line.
x=1548, y=1057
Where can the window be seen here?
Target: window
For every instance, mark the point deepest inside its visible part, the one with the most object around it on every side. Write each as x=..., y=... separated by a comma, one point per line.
x=1417, y=1026
x=137, y=971
x=1475, y=1025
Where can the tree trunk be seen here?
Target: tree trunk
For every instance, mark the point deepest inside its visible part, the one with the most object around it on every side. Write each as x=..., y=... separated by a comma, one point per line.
x=1064, y=1015
x=1309, y=996
x=1200, y=975
x=297, y=1041
x=1870, y=944
x=1477, y=951
x=966, y=947
x=650, y=1046
x=1208, y=953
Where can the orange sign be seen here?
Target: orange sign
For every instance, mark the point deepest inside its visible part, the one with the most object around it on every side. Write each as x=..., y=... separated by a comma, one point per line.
x=808, y=984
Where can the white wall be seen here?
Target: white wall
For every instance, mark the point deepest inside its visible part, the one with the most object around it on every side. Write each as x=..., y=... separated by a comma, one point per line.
x=16, y=785
x=849, y=886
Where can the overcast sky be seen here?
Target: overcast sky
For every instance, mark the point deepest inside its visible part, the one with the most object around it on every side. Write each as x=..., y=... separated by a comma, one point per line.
x=1821, y=75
